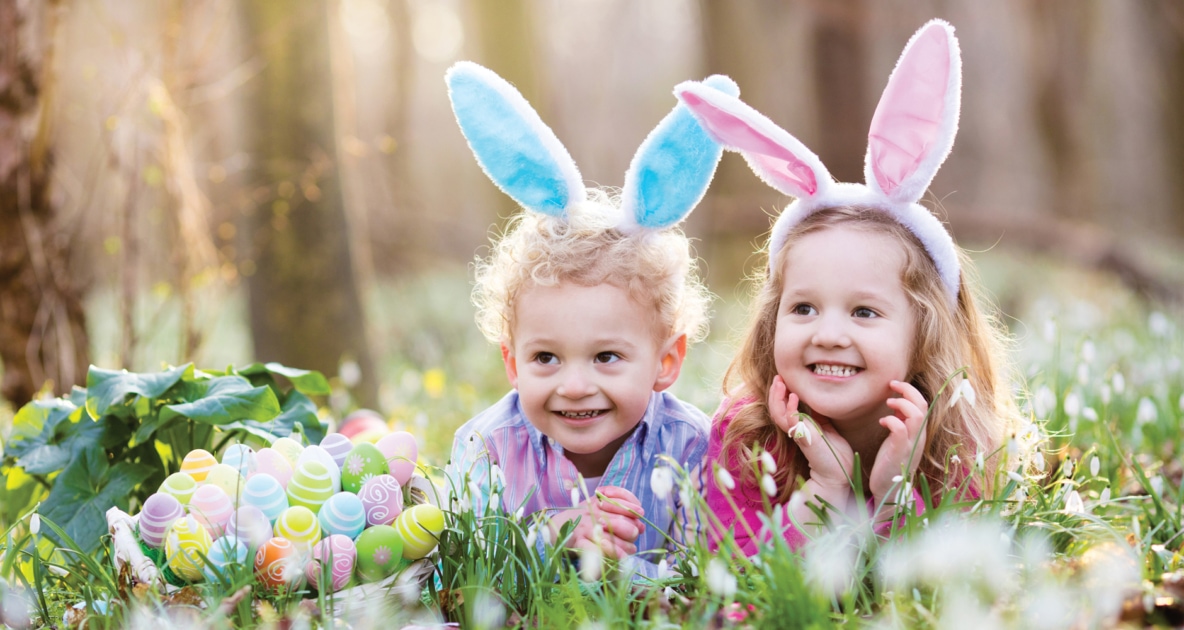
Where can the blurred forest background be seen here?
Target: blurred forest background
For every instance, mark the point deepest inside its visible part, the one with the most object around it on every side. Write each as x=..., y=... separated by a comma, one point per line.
x=225, y=181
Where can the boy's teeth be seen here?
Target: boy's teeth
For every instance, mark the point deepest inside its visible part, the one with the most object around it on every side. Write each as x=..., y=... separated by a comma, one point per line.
x=579, y=414
x=833, y=370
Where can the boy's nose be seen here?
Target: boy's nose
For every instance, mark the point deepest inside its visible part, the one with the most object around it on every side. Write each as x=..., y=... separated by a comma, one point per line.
x=576, y=384
x=831, y=332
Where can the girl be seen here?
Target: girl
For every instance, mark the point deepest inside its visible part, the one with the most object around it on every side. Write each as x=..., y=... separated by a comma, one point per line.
x=866, y=310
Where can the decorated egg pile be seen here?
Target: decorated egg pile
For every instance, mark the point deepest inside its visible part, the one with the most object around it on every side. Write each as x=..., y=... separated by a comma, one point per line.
x=328, y=514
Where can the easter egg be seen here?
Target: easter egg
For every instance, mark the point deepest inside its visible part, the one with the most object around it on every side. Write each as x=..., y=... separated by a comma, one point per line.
x=336, y=555
x=311, y=485
x=363, y=425
x=419, y=527
x=180, y=485
x=197, y=464
x=212, y=508
x=264, y=492
x=159, y=512
x=383, y=499
x=222, y=555
x=227, y=478
x=337, y=445
x=315, y=453
x=380, y=553
x=241, y=458
x=271, y=462
x=278, y=564
x=299, y=525
x=289, y=448
x=363, y=462
x=343, y=514
x=185, y=545
x=250, y=526
x=400, y=450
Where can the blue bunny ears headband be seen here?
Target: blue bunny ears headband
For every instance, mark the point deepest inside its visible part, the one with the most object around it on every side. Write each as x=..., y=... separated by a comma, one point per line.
x=666, y=179
x=911, y=134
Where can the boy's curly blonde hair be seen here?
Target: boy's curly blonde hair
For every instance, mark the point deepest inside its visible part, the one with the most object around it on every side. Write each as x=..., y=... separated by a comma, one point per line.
x=655, y=267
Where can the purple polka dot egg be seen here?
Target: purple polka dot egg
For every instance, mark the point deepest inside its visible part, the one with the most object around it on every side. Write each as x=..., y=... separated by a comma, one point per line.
x=382, y=497
x=264, y=492
x=335, y=556
x=160, y=510
x=343, y=514
x=211, y=507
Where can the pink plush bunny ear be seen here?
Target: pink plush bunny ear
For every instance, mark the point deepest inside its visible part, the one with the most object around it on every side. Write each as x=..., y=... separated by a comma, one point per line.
x=777, y=157
x=914, y=125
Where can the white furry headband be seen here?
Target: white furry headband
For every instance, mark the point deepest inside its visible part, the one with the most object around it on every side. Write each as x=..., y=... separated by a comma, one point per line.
x=911, y=134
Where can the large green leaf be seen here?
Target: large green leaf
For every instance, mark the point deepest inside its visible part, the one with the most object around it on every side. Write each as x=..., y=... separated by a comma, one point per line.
x=107, y=388
x=297, y=410
x=227, y=399
x=34, y=425
x=307, y=382
x=86, y=489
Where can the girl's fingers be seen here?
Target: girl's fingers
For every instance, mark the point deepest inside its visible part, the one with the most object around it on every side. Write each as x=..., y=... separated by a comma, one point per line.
x=778, y=404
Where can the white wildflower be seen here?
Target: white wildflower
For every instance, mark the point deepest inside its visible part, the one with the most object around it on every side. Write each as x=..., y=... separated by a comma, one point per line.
x=1038, y=461
x=35, y=524
x=1082, y=373
x=802, y=432
x=662, y=481
x=532, y=534
x=1073, y=503
x=519, y=512
x=1147, y=411
x=1156, y=485
x=770, y=465
x=979, y=464
x=963, y=390
x=724, y=479
x=1118, y=382
x=1013, y=447
x=1072, y=405
x=1068, y=467
x=1088, y=351
x=664, y=569
x=497, y=480
x=1104, y=497
x=591, y=563
x=1105, y=393
x=1089, y=413
x=1045, y=401
x=768, y=486
x=1050, y=330
x=1015, y=476
x=719, y=579
x=575, y=496
x=954, y=459
x=1095, y=465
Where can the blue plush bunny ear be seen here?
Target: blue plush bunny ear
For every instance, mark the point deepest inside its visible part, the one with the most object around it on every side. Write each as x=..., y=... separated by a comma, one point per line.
x=672, y=168
x=512, y=144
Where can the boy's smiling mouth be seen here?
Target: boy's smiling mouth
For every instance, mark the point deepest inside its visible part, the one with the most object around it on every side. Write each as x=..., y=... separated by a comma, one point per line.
x=831, y=369
x=581, y=415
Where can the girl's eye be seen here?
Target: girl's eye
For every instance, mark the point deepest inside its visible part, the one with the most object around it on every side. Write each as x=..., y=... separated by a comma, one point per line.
x=802, y=309
x=546, y=358
x=863, y=311
x=607, y=357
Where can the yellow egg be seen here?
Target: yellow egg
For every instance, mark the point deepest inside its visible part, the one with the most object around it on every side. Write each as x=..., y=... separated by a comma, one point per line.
x=289, y=448
x=180, y=485
x=299, y=525
x=420, y=527
x=197, y=464
x=228, y=479
x=186, y=544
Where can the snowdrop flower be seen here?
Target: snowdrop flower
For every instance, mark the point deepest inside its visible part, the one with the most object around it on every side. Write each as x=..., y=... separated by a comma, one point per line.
x=662, y=481
x=1038, y=461
x=768, y=486
x=1095, y=465
x=1105, y=392
x=979, y=464
x=1082, y=373
x=802, y=432
x=770, y=465
x=954, y=459
x=1118, y=382
x=532, y=534
x=1073, y=503
x=1050, y=330
x=1156, y=485
x=719, y=580
x=591, y=563
x=1088, y=351
x=1104, y=497
x=494, y=502
x=35, y=524
x=963, y=390
x=497, y=480
x=724, y=479
x=1072, y=405
x=1089, y=413
x=575, y=497
x=1016, y=477
x=1146, y=412
x=796, y=501
x=518, y=514
x=1068, y=466
x=664, y=569
x=474, y=490
x=1045, y=401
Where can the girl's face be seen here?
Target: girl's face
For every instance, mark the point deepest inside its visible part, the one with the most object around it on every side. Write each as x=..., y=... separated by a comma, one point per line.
x=845, y=326
x=585, y=362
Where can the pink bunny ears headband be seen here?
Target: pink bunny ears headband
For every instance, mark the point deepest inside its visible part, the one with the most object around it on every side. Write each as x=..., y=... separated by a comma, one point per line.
x=521, y=155
x=911, y=134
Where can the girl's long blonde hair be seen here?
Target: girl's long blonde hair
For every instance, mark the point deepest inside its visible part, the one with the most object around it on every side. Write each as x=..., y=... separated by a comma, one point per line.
x=947, y=341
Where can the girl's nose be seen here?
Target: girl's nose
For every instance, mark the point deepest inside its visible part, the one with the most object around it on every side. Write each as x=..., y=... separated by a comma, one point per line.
x=576, y=384
x=831, y=332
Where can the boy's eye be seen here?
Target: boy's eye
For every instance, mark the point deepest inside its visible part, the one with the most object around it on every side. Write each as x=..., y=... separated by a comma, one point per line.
x=802, y=309
x=607, y=357
x=546, y=358
x=863, y=311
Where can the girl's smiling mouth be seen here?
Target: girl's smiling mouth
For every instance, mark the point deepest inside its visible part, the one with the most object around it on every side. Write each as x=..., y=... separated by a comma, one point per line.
x=830, y=369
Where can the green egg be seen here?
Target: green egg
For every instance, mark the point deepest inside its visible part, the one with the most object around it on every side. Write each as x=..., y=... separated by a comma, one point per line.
x=361, y=463
x=380, y=553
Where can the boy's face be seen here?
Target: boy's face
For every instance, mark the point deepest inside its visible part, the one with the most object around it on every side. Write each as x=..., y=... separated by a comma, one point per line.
x=585, y=361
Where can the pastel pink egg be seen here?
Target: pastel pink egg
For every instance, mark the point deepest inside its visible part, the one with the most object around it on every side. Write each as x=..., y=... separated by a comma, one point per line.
x=363, y=421
x=401, y=451
x=160, y=510
x=382, y=498
x=338, y=446
x=212, y=508
x=250, y=525
x=270, y=462
x=339, y=552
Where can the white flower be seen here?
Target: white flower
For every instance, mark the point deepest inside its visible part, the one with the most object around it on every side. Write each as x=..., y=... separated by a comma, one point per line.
x=897, y=479
x=1038, y=461
x=979, y=464
x=1082, y=373
x=1095, y=465
x=768, y=486
x=1118, y=382
x=1089, y=413
x=1072, y=405
x=1073, y=503
x=591, y=563
x=532, y=534
x=1146, y=412
x=1105, y=391
x=802, y=431
x=719, y=580
x=35, y=524
x=1016, y=477
x=1044, y=402
x=1156, y=485
x=518, y=514
x=575, y=496
x=664, y=569
x=724, y=479
x=1068, y=468
x=1088, y=351
x=662, y=481
x=497, y=480
x=963, y=390
x=1050, y=330
x=1105, y=496
x=770, y=465
x=954, y=459
x=494, y=502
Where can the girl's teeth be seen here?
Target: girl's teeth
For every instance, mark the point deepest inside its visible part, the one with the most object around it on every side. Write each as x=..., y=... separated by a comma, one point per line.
x=833, y=370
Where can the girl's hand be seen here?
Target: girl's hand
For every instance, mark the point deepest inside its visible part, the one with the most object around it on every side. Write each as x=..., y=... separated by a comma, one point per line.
x=906, y=428
x=830, y=456
x=611, y=520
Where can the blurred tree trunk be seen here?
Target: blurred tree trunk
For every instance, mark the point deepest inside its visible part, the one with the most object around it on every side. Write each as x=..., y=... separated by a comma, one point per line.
x=1168, y=27
x=42, y=325
x=406, y=238
x=305, y=306
x=840, y=50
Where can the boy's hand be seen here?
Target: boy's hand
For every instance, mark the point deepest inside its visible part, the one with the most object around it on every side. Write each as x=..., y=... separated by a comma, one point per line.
x=830, y=459
x=905, y=428
x=611, y=520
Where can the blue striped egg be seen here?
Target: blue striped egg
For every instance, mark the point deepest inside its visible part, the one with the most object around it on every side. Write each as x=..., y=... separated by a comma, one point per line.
x=343, y=514
x=241, y=458
x=222, y=555
x=264, y=492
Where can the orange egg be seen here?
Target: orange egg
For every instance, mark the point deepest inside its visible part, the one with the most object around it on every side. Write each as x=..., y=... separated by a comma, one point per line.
x=279, y=564
x=198, y=463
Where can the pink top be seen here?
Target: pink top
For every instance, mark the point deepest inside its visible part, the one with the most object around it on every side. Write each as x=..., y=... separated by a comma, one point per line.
x=743, y=520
